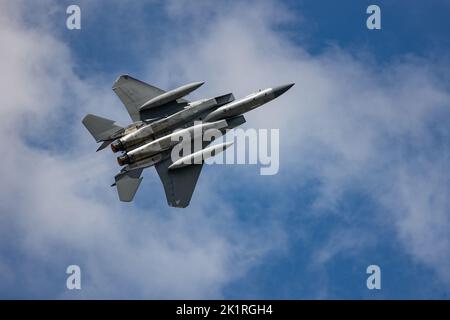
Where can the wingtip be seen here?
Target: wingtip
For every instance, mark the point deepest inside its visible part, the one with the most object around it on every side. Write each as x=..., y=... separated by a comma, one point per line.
x=121, y=77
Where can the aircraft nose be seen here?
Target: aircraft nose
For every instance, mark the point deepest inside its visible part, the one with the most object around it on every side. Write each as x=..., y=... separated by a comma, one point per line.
x=278, y=91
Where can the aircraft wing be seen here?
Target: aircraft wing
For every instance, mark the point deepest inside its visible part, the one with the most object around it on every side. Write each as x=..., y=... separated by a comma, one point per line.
x=134, y=93
x=178, y=184
x=127, y=184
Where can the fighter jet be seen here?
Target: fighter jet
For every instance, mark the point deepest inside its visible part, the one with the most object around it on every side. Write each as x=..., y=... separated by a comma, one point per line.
x=157, y=117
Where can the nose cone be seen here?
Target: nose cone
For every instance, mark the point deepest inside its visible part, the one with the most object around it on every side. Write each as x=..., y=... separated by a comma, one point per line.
x=278, y=91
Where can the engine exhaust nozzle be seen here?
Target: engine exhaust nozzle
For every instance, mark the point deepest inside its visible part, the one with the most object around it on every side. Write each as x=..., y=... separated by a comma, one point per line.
x=123, y=160
x=117, y=146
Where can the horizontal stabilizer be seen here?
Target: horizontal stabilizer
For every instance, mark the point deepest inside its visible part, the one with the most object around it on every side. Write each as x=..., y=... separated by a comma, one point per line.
x=127, y=184
x=104, y=145
x=101, y=129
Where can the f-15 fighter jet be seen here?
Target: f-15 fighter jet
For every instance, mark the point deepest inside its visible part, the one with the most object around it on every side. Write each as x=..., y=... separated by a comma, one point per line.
x=157, y=117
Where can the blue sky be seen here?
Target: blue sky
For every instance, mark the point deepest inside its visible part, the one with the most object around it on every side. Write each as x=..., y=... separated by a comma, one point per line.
x=363, y=165
x=408, y=28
